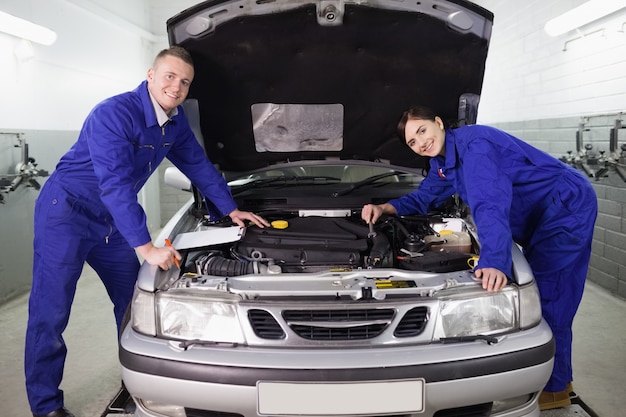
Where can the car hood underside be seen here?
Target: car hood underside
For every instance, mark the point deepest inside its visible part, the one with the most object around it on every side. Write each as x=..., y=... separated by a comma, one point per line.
x=372, y=62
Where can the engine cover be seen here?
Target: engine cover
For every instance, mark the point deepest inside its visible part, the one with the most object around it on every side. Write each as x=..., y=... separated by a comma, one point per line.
x=307, y=242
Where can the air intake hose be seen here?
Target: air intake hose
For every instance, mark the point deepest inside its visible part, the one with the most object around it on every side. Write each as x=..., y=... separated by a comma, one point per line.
x=214, y=263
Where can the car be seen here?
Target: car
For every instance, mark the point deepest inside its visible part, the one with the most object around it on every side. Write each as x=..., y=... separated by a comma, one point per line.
x=320, y=314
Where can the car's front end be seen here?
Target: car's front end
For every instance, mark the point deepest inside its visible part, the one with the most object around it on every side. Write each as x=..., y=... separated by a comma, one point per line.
x=287, y=354
x=319, y=314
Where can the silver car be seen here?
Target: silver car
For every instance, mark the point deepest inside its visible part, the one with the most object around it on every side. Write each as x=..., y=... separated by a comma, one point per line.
x=320, y=315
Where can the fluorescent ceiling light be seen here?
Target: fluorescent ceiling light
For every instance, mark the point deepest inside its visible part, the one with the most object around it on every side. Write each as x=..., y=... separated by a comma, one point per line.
x=26, y=30
x=582, y=15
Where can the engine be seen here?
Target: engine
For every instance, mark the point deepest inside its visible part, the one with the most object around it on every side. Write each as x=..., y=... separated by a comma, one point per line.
x=313, y=244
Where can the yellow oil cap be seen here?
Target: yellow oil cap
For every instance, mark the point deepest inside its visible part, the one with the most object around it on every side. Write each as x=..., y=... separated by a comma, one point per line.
x=280, y=224
x=446, y=232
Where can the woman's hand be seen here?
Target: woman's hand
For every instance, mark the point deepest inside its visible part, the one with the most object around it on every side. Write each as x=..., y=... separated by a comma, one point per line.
x=493, y=279
x=370, y=213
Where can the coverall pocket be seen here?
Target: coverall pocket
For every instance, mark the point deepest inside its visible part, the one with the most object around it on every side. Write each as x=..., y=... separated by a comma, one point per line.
x=576, y=197
x=60, y=209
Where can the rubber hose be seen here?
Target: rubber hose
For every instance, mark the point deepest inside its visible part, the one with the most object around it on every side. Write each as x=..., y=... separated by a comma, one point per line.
x=220, y=266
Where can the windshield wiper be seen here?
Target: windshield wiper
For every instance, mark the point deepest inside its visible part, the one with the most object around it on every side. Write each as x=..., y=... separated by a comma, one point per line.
x=366, y=181
x=262, y=182
x=255, y=183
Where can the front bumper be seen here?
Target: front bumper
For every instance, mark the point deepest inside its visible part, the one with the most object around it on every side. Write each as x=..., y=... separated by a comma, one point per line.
x=225, y=379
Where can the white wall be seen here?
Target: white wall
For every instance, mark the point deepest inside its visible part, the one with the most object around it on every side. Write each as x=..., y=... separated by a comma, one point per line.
x=91, y=60
x=531, y=75
x=101, y=50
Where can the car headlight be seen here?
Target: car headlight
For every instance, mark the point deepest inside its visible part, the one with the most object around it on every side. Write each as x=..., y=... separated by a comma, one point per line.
x=143, y=317
x=198, y=316
x=477, y=313
x=529, y=306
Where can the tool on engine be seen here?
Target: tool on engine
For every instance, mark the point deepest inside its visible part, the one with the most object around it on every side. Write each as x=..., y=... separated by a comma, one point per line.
x=168, y=243
x=372, y=233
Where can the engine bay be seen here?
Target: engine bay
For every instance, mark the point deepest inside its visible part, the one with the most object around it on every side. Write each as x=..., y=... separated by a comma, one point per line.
x=294, y=244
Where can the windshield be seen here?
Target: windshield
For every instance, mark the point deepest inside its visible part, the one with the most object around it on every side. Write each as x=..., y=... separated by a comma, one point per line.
x=326, y=173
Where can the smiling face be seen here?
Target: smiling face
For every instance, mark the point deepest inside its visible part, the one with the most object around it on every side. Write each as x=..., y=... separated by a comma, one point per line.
x=169, y=80
x=425, y=137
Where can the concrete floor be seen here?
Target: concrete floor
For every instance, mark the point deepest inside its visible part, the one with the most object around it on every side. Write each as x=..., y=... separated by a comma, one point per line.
x=92, y=373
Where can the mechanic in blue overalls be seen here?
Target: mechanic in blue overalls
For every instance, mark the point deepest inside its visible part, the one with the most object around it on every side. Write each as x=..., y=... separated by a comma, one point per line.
x=515, y=193
x=88, y=212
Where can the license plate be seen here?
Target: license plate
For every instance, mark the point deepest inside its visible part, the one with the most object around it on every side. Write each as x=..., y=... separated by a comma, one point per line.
x=335, y=399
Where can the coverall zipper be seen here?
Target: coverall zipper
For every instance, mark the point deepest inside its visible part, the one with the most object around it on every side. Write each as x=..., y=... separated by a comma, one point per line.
x=135, y=186
x=106, y=238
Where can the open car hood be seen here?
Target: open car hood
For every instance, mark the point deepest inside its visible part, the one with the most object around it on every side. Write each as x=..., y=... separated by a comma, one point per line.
x=295, y=79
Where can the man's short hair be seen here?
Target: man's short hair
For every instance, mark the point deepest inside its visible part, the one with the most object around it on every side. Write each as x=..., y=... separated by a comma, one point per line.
x=175, y=51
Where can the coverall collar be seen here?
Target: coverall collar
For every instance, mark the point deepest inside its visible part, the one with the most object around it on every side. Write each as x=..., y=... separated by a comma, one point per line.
x=447, y=162
x=162, y=117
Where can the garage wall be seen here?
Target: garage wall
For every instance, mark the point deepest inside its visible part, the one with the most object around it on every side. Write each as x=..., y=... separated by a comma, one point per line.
x=45, y=98
x=531, y=75
x=545, y=89
x=537, y=87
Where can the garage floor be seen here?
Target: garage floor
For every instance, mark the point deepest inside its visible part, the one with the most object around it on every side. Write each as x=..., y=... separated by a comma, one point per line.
x=92, y=374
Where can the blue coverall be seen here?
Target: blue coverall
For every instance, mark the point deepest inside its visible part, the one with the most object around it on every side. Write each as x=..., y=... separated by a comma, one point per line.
x=519, y=193
x=88, y=211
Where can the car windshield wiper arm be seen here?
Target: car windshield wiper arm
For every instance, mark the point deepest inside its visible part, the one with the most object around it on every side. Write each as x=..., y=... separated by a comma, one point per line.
x=255, y=183
x=261, y=182
x=366, y=181
x=489, y=339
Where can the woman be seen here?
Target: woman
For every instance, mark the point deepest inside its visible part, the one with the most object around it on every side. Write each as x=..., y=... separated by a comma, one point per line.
x=515, y=193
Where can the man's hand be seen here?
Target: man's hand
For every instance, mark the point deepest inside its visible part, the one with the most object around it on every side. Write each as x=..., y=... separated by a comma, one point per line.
x=239, y=216
x=493, y=279
x=162, y=257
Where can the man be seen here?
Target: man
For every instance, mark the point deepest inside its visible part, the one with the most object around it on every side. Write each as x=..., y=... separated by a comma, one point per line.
x=88, y=211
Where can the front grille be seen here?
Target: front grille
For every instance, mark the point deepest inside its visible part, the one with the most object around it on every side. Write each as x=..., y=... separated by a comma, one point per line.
x=264, y=325
x=341, y=316
x=412, y=323
x=337, y=324
x=357, y=324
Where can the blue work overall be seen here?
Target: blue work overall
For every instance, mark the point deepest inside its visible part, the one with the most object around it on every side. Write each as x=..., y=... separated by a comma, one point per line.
x=518, y=193
x=88, y=211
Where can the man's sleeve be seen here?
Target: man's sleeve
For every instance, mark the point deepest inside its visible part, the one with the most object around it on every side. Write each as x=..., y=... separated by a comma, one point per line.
x=188, y=156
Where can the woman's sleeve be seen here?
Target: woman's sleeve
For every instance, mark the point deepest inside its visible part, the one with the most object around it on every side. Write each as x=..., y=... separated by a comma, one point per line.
x=489, y=195
x=432, y=192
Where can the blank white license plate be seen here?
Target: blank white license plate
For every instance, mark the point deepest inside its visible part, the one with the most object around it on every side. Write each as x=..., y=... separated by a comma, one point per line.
x=335, y=399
